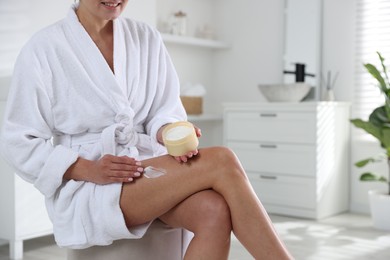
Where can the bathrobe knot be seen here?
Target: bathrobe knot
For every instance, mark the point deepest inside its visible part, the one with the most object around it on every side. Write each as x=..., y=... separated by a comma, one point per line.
x=125, y=116
x=126, y=135
x=125, y=132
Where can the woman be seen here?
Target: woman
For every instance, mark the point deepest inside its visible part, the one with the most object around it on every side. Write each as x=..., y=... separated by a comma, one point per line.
x=103, y=88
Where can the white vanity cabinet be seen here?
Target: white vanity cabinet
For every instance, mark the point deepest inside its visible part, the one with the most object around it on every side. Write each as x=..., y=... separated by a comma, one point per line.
x=296, y=155
x=22, y=209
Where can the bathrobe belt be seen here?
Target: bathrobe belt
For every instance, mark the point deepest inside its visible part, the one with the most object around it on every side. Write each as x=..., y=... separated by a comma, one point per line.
x=117, y=134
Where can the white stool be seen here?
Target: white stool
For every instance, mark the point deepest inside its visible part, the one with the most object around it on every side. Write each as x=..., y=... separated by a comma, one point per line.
x=160, y=242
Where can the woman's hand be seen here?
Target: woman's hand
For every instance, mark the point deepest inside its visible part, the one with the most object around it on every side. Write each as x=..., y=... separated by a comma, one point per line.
x=189, y=155
x=108, y=169
x=159, y=134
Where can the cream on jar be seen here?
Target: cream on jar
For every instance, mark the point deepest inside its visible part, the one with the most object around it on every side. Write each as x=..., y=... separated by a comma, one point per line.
x=180, y=138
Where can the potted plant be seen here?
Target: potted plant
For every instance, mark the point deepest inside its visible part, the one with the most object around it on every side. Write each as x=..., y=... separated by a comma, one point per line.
x=378, y=125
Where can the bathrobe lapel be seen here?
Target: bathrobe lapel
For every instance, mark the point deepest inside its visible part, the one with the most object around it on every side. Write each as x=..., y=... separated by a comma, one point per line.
x=110, y=88
x=126, y=62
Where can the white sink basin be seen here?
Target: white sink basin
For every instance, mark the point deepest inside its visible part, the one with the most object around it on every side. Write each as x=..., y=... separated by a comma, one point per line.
x=293, y=92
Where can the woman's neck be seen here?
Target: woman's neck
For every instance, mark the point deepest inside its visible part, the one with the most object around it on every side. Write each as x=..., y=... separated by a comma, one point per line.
x=95, y=27
x=101, y=32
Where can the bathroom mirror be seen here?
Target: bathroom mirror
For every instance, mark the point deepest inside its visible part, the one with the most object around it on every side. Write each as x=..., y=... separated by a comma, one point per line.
x=302, y=43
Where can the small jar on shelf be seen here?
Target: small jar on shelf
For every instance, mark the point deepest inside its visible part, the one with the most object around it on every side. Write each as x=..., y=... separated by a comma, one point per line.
x=179, y=23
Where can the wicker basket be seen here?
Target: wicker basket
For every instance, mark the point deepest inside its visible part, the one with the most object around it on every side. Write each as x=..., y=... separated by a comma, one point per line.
x=192, y=105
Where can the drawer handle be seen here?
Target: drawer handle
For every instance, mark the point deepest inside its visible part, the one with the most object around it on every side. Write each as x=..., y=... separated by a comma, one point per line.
x=273, y=146
x=268, y=115
x=268, y=177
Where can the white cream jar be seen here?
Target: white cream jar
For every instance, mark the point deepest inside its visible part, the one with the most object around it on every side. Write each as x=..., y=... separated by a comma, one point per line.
x=180, y=138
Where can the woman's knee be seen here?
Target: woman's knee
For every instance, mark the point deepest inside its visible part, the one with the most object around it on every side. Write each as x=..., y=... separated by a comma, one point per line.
x=220, y=155
x=214, y=213
x=227, y=161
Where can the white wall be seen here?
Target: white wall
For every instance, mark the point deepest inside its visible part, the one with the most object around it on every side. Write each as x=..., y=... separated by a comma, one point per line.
x=142, y=10
x=254, y=29
x=45, y=12
x=338, y=45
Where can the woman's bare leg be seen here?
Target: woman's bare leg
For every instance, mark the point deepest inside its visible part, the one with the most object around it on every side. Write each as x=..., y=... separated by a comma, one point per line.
x=207, y=215
x=213, y=168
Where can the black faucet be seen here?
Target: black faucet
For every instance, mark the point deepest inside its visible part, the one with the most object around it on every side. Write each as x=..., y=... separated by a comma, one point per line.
x=299, y=72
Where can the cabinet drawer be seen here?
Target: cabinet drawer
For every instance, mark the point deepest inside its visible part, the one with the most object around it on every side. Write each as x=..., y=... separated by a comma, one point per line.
x=287, y=159
x=271, y=126
x=284, y=191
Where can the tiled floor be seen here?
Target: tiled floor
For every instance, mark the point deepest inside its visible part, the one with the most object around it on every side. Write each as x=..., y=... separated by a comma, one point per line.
x=343, y=237
x=346, y=236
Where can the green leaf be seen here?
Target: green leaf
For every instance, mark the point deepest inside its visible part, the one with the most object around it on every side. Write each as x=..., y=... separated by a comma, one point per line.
x=378, y=117
x=377, y=75
x=364, y=162
x=368, y=127
x=368, y=176
x=386, y=138
x=384, y=68
x=387, y=103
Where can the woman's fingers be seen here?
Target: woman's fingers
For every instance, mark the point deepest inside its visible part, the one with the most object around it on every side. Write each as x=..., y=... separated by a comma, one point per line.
x=198, y=131
x=184, y=158
x=119, y=169
x=123, y=160
x=126, y=167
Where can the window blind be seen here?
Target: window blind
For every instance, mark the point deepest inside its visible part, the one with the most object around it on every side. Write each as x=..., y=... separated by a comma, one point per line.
x=372, y=35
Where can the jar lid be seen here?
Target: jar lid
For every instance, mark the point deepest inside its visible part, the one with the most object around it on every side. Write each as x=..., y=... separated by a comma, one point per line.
x=177, y=132
x=180, y=14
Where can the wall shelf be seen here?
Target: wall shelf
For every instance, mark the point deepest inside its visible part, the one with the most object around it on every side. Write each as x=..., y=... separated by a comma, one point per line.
x=193, y=41
x=204, y=117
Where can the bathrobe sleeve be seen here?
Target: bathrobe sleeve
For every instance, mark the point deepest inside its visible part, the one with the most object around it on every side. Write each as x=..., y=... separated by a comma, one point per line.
x=167, y=106
x=28, y=126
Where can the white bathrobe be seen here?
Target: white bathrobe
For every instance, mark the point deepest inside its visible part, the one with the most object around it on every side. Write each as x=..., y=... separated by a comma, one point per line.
x=63, y=88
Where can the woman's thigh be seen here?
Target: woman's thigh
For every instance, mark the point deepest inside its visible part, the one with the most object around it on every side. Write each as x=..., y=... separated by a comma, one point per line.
x=148, y=198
